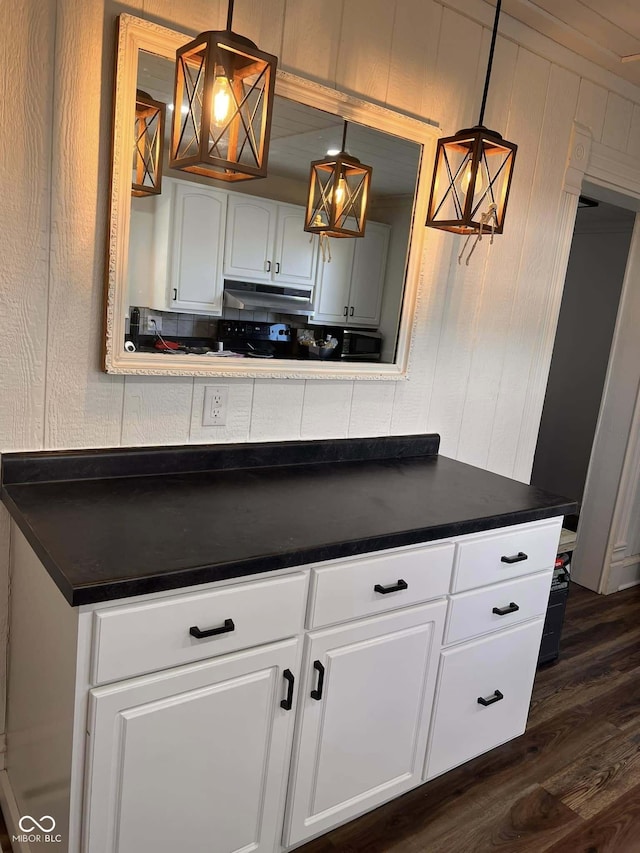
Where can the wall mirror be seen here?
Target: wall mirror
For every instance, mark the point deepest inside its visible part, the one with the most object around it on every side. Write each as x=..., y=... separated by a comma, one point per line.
x=213, y=278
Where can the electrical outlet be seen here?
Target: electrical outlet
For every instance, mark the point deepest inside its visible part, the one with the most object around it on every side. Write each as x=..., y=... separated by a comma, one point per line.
x=214, y=410
x=154, y=323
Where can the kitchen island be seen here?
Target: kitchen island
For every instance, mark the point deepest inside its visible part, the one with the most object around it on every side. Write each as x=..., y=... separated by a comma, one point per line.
x=261, y=641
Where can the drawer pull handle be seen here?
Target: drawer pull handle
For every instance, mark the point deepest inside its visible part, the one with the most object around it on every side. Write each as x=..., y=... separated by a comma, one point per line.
x=223, y=629
x=287, y=703
x=396, y=587
x=497, y=696
x=317, y=693
x=504, y=611
x=517, y=558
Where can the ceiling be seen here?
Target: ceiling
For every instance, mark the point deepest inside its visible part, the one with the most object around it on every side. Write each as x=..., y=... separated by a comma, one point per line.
x=603, y=31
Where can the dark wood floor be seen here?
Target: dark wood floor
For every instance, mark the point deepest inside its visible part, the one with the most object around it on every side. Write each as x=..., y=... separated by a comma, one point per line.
x=570, y=784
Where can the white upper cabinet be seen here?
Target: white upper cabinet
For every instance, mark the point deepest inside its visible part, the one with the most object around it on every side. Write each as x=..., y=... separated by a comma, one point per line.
x=296, y=252
x=349, y=288
x=266, y=241
x=367, y=279
x=198, y=218
x=176, y=249
x=251, y=230
x=334, y=281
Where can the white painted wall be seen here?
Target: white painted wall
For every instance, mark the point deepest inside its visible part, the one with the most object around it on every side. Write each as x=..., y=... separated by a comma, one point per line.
x=482, y=331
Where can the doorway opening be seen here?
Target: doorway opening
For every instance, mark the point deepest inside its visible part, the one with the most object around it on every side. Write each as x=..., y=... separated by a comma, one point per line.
x=586, y=324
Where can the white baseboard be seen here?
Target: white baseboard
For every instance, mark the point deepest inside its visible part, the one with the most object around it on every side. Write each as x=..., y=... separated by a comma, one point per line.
x=11, y=814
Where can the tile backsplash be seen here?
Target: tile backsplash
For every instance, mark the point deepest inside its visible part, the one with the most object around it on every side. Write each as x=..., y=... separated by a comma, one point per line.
x=199, y=325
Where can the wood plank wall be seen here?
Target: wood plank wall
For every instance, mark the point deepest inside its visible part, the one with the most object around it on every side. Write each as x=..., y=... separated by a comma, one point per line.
x=482, y=331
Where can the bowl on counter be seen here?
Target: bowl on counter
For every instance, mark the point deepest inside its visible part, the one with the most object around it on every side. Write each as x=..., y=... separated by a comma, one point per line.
x=321, y=352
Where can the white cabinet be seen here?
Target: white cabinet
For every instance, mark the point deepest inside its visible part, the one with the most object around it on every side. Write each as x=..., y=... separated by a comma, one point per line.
x=296, y=254
x=484, y=690
x=484, y=685
x=176, y=710
x=333, y=283
x=193, y=758
x=350, y=286
x=251, y=230
x=365, y=708
x=266, y=241
x=372, y=584
x=367, y=280
x=198, y=218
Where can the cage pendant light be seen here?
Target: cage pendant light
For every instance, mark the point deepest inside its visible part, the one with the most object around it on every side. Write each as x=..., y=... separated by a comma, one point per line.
x=472, y=174
x=148, y=146
x=223, y=103
x=338, y=195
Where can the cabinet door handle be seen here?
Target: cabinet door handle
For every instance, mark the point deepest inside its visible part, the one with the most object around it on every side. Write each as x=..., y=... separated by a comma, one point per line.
x=491, y=700
x=396, y=587
x=317, y=693
x=346, y=310
x=287, y=703
x=175, y=294
x=504, y=611
x=212, y=632
x=351, y=310
x=268, y=265
x=277, y=267
x=517, y=558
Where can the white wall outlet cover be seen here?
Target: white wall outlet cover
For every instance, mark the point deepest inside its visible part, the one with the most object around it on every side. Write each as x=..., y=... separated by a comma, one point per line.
x=214, y=409
x=154, y=323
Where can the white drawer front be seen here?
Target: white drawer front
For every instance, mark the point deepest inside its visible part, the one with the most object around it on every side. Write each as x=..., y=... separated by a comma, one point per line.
x=508, y=553
x=347, y=590
x=499, y=606
x=135, y=639
x=504, y=665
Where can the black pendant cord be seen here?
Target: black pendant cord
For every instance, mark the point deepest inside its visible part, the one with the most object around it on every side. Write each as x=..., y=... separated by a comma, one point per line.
x=489, y=65
x=229, y=15
x=344, y=137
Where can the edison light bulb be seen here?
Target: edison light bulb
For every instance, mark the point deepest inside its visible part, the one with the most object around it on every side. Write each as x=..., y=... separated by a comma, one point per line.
x=339, y=194
x=465, y=180
x=221, y=99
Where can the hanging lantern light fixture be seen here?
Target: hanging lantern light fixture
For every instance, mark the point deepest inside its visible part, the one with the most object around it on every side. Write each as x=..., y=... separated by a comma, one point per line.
x=472, y=174
x=148, y=145
x=223, y=102
x=338, y=195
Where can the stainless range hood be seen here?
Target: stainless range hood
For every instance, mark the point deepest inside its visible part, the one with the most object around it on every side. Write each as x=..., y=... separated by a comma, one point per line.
x=268, y=297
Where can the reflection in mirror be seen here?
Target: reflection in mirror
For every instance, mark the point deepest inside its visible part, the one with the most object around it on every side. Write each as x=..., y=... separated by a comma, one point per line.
x=229, y=272
x=212, y=279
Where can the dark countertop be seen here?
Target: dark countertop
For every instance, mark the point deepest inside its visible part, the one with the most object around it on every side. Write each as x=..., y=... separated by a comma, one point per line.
x=111, y=524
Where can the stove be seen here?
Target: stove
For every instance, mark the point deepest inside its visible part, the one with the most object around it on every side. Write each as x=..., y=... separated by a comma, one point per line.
x=256, y=340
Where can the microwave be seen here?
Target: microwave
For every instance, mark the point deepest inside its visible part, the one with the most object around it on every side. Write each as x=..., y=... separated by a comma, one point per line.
x=360, y=344
x=353, y=344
